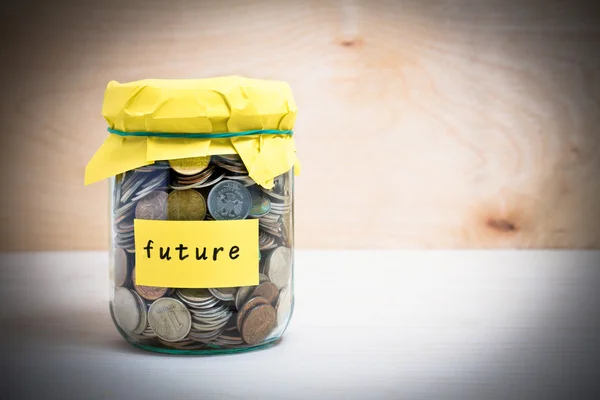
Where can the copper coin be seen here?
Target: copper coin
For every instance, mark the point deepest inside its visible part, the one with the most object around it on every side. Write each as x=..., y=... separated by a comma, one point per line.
x=153, y=206
x=186, y=205
x=267, y=290
x=253, y=302
x=258, y=323
x=148, y=292
x=190, y=166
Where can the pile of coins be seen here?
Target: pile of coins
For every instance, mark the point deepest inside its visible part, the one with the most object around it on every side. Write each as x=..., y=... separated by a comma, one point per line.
x=203, y=188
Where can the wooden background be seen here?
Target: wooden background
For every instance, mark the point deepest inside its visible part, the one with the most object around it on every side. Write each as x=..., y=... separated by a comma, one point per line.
x=422, y=124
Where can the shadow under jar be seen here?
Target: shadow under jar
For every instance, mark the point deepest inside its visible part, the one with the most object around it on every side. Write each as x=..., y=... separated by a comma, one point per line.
x=201, y=198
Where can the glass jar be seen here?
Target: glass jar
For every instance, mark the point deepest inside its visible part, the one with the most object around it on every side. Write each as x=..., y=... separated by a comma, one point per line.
x=202, y=319
x=201, y=239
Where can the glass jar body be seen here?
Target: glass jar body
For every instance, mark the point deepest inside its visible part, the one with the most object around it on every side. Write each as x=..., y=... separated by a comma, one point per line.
x=194, y=320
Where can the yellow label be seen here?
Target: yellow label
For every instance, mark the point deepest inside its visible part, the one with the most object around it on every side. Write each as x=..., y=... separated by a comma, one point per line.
x=196, y=254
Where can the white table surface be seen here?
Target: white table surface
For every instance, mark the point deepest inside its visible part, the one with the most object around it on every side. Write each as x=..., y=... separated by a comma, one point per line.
x=367, y=325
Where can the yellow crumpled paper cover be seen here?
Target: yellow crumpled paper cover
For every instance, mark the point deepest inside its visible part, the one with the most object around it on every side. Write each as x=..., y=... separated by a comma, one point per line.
x=214, y=105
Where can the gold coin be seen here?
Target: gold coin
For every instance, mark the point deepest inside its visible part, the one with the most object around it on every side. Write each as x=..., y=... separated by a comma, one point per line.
x=186, y=205
x=190, y=166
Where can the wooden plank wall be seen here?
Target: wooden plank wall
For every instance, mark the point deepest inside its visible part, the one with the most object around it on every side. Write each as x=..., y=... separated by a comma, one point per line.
x=423, y=124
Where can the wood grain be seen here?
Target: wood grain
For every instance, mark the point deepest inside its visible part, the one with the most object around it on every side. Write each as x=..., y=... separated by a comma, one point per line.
x=422, y=124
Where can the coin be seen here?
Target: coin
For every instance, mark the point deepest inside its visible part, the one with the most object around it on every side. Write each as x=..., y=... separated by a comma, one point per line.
x=259, y=322
x=153, y=206
x=203, y=305
x=190, y=166
x=268, y=290
x=138, y=180
x=253, y=302
x=209, y=326
x=279, y=266
x=241, y=295
x=195, y=295
x=148, y=292
x=143, y=314
x=225, y=294
x=169, y=319
x=148, y=332
x=260, y=203
x=219, y=188
x=147, y=188
x=266, y=241
x=233, y=164
x=186, y=205
x=121, y=268
x=198, y=185
x=284, y=306
x=229, y=200
x=126, y=310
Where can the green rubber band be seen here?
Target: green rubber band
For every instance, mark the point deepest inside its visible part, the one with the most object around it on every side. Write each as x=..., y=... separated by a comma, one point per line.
x=201, y=135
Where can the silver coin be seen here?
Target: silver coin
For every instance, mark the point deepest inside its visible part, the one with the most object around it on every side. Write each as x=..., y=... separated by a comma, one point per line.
x=225, y=294
x=158, y=182
x=205, y=305
x=124, y=210
x=123, y=227
x=118, y=185
x=129, y=179
x=212, y=321
x=143, y=313
x=169, y=319
x=148, y=332
x=279, y=267
x=229, y=200
x=121, y=270
x=126, y=310
x=284, y=306
x=209, y=327
x=216, y=312
x=125, y=196
x=229, y=343
x=284, y=310
x=126, y=235
x=206, y=329
x=242, y=294
x=153, y=206
x=195, y=295
x=212, y=312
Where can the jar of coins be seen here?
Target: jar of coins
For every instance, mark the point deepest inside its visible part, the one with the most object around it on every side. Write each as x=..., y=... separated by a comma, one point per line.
x=201, y=179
